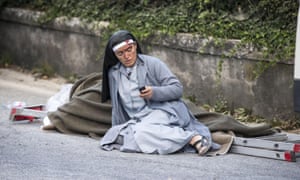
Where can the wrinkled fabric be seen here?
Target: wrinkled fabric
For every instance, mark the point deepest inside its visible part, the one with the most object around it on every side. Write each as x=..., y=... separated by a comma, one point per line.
x=152, y=134
x=83, y=113
x=159, y=134
x=86, y=114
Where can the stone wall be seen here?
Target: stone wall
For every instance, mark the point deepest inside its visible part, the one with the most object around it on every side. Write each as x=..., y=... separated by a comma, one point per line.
x=209, y=73
x=68, y=45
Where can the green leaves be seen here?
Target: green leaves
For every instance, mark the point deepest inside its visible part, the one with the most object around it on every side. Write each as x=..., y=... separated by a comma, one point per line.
x=269, y=25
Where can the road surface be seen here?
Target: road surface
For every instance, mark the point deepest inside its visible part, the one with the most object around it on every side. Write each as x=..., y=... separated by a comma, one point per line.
x=27, y=152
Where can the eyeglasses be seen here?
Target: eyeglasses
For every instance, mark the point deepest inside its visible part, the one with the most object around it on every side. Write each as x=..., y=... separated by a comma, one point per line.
x=121, y=53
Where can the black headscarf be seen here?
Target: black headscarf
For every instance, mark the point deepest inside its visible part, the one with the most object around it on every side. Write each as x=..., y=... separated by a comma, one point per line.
x=110, y=59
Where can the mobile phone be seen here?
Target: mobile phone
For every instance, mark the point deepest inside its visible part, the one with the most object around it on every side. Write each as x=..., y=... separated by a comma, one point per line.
x=142, y=88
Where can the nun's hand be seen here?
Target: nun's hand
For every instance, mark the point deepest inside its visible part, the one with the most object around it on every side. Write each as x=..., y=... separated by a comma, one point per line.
x=147, y=92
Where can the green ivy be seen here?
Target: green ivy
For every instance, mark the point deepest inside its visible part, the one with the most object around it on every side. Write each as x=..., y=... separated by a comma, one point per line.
x=270, y=25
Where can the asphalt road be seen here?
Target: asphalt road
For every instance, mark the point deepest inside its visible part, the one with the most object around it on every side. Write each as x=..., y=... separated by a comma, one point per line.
x=27, y=152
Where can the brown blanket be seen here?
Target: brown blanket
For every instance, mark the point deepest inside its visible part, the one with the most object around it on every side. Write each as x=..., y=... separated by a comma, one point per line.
x=85, y=114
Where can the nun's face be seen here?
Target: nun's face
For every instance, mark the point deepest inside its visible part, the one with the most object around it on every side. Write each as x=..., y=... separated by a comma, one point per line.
x=127, y=54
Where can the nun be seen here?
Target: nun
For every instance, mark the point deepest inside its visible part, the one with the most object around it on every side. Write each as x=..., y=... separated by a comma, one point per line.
x=148, y=113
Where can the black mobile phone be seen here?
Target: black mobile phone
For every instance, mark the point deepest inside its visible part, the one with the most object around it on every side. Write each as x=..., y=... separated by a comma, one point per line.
x=142, y=88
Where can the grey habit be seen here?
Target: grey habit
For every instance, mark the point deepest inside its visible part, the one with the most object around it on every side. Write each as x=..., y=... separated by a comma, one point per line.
x=162, y=124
